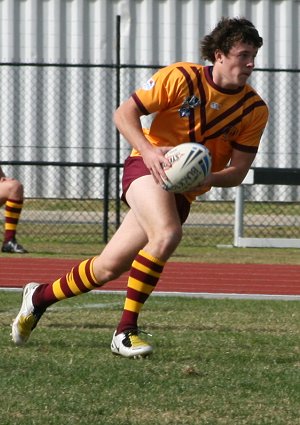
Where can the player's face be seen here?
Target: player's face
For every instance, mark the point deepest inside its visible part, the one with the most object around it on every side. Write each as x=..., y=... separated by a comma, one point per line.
x=234, y=69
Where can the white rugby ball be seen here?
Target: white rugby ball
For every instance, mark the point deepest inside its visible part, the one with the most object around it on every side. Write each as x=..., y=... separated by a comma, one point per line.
x=191, y=163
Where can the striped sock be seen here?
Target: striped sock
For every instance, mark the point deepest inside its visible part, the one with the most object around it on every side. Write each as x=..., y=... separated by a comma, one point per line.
x=79, y=280
x=144, y=275
x=12, y=214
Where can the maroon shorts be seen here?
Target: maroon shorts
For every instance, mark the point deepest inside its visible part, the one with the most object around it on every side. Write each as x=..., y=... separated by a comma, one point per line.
x=134, y=168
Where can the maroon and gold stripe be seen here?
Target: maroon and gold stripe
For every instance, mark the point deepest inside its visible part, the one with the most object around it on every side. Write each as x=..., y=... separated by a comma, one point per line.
x=144, y=275
x=79, y=280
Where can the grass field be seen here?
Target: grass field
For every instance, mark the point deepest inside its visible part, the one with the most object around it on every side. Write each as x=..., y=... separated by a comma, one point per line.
x=230, y=362
x=216, y=362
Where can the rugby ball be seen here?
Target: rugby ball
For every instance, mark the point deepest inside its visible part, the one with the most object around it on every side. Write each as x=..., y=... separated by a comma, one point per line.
x=191, y=163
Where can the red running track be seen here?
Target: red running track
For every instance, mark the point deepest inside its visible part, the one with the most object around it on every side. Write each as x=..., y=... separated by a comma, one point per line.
x=267, y=279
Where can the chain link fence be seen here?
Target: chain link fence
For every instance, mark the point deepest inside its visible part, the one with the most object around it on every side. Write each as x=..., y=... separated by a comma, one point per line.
x=58, y=138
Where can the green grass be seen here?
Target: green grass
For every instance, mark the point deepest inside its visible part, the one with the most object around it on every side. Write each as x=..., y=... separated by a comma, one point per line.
x=183, y=253
x=216, y=362
x=232, y=362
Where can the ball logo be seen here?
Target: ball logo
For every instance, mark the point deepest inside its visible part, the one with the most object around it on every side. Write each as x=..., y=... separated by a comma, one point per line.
x=190, y=164
x=175, y=157
x=189, y=180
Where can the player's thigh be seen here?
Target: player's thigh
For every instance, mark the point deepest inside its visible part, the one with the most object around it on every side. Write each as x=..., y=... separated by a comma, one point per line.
x=154, y=208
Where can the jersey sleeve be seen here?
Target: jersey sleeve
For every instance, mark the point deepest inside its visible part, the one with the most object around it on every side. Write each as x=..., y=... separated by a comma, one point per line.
x=255, y=124
x=159, y=91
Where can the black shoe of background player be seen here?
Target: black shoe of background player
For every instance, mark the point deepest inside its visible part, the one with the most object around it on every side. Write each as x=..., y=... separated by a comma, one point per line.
x=13, y=247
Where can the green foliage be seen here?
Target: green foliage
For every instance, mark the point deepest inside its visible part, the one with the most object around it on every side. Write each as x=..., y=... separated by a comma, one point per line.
x=233, y=362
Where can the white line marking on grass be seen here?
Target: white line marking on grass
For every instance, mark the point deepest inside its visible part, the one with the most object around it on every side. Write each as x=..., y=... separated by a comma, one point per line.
x=233, y=296
x=217, y=295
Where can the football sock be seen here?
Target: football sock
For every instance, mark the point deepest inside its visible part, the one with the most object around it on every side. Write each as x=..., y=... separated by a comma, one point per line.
x=143, y=277
x=79, y=280
x=12, y=214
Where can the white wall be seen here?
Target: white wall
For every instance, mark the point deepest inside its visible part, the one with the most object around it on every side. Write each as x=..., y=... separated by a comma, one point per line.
x=154, y=32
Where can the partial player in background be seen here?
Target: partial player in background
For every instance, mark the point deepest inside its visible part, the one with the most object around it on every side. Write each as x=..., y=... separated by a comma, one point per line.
x=211, y=105
x=12, y=195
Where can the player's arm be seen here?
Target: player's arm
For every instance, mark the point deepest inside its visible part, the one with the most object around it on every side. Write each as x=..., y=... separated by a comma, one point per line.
x=234, y=174
x=127, y=120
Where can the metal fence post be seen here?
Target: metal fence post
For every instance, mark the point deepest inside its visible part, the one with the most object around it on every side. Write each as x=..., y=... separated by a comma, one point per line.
x=239, y=214
x=105, y=203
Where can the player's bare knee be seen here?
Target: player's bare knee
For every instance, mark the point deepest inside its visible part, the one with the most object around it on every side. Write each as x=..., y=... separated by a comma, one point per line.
x=15, y=188
x=169, y=239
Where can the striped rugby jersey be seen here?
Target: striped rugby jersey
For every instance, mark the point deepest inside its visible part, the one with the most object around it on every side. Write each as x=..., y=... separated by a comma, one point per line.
x=187, y=106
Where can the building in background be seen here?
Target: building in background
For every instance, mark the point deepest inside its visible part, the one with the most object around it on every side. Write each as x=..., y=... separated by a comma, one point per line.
x=59, y=82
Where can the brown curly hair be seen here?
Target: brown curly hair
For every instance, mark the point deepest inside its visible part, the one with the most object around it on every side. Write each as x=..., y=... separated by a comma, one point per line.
x=227, y=32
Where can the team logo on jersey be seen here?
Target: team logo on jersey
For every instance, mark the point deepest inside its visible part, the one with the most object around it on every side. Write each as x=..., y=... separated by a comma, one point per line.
x=188, y=104
x=215, y=105
x=149, y=84
x=229, y=133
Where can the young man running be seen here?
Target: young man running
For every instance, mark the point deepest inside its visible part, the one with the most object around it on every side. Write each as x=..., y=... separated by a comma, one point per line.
x=212, y=105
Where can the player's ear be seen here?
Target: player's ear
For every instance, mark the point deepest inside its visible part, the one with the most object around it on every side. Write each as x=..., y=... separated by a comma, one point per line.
x=219, y=56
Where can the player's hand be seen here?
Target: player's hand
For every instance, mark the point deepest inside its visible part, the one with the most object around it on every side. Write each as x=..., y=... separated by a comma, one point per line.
x=156, y=163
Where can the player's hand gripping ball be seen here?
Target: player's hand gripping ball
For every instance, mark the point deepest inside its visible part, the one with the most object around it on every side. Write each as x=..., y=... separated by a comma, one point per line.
x=191, y=163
